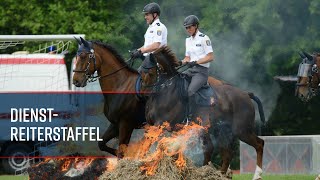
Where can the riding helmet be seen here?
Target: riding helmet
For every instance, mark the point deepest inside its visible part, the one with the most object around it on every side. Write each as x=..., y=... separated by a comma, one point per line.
x=152, y=8
x=191, y=20
x=52, y=48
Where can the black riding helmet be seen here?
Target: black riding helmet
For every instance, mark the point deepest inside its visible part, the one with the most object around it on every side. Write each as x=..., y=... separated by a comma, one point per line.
x=191, y=20
x=152, y=8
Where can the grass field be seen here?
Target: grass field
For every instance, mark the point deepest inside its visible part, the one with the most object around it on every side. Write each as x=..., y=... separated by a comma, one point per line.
x=235, y=177
x=275, y=177
x=7, y=177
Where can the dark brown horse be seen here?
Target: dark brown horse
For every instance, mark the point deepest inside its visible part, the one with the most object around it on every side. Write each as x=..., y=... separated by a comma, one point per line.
x=121, y=106
x=308, y=76
x=233, y=109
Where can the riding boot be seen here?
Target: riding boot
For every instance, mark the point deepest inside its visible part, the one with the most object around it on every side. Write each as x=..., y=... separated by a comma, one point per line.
x=191, y=107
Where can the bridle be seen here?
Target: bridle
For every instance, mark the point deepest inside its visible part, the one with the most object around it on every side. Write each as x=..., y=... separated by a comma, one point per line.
x=308, y=69
x=92, y=58
x=158, y=69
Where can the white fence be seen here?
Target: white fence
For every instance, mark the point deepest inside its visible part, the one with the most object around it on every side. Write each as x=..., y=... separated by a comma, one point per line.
x=284, y=155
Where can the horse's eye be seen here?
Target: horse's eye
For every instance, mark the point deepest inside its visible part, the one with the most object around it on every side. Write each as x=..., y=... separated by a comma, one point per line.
x=82, y=56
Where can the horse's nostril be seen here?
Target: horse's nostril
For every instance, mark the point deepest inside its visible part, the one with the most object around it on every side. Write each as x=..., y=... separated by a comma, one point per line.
x=76, y=83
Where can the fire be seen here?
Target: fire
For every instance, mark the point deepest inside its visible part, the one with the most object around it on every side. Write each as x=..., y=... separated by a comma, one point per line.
x=139, y=149
x=83, y=163
x=77, y=163
x=66, y=165
x=158, y=143
x=181, y=162
x=112, y=163
x=46, y=160
x=173, y=146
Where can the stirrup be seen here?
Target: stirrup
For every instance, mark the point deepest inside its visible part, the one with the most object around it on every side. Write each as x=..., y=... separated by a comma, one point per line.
x=187, y=120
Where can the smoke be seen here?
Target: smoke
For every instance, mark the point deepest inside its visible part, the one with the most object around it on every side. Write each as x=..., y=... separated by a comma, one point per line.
x=231, y=66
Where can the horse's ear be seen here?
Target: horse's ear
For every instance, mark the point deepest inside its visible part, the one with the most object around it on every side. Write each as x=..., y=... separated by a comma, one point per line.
x=302, y=55
x=85, y=43
x=308, y=55
x=78, y=40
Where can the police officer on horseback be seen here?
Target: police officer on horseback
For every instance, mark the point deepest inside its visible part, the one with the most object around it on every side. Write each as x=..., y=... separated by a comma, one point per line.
x=198, y=56
x=156, y=34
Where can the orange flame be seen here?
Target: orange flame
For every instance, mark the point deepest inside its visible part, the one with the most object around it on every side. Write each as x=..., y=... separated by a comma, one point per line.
x=173, y=145
x=181, y=162
x=139, y=149
x=83, y=164
x=111, y=165
x=42, y=162
x=66, y=165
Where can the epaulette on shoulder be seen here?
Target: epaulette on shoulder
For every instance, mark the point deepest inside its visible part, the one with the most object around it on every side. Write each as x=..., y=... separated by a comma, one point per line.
x=202, y=35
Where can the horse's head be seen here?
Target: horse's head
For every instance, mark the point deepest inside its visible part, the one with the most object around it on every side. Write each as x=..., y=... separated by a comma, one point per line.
x=162, y=62
x=149, y=71
x=86, y=63
x=308, y=76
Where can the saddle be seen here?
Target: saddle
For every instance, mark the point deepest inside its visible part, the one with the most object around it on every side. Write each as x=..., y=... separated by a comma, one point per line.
x=205, y=96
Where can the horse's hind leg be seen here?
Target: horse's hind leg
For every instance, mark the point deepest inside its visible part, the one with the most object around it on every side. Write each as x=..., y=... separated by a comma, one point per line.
x=253, y=140
x=110, y=133
x=207, y=148
x=226, y=155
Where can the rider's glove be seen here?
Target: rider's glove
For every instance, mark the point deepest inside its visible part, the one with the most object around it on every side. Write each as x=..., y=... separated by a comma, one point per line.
x=136, y=54
x=192, y=63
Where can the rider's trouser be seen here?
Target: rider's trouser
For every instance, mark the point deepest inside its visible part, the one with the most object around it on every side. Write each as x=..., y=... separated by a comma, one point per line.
x=199, y=77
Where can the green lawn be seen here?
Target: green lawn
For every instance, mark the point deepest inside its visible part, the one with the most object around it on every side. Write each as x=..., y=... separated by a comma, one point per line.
x=275, y=177
x=8, y=177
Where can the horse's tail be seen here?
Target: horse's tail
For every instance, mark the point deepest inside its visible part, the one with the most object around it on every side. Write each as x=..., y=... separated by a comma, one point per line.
x=260, y=108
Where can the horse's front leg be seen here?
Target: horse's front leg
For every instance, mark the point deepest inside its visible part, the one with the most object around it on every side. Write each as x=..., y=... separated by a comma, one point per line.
x=125, y=131
x=110, y=133
x=207, y=145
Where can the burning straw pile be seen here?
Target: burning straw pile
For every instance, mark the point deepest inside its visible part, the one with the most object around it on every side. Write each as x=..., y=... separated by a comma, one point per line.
x=158, y=155
x=166, y=170
x=68, y=169
x=166, y=162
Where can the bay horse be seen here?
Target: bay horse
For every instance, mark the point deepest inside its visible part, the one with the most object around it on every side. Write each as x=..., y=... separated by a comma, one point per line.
x=233, y=107
x=117, y=80
x=307, y=85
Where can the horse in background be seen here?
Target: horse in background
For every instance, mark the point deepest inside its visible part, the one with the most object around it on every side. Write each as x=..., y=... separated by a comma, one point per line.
x=117, y=80
x=307, y=85
x=233, y=110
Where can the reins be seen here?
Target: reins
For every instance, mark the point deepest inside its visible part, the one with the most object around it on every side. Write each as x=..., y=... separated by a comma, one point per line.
x=165, y=83
x=91, y=77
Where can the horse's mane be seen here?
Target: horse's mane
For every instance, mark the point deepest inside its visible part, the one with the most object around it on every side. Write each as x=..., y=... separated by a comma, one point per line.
x=166, y=58
x=169, y=61
x=115, y=53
